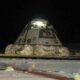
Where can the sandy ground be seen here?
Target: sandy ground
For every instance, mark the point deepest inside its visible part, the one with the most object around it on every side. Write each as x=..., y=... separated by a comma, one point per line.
x=14, y=75
x=64, y=67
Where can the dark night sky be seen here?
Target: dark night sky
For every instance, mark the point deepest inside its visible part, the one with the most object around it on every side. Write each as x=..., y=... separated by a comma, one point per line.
x=63, y=15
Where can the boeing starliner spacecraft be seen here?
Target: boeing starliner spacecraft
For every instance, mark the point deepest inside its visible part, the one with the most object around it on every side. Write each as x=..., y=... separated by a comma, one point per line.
x=38, y=38
x=38, y=31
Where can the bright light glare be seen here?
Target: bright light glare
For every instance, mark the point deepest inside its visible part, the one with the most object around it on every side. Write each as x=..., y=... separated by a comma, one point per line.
x=39, y=23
